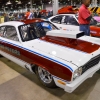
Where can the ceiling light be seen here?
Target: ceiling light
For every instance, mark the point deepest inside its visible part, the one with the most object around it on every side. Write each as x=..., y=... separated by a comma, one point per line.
x=19, y=7
x=49, y=2
x=16, y=1
x=8, y=3
x=29, y=2
x=19, y=2
x=34, y=4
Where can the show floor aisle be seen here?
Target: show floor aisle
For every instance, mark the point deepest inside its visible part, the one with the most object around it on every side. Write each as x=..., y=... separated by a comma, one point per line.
x=17, y=83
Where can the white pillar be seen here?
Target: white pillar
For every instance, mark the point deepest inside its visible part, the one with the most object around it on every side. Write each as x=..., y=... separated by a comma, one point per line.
x=95, y=3
x=31, y=4
x=26, y=7
x=42, y=6
x=4, y=9
x=55, y=6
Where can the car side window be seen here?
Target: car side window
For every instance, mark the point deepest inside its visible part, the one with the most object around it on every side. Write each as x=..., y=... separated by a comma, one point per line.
x=70, y=20
x=65, y=20
x=93, y=22
x=11, y=33
x=24, y=31
x=2, y=29
x=28, y=32
x=57, y=19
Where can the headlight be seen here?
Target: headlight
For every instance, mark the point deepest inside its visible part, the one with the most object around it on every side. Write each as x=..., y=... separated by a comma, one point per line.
x=77, y=73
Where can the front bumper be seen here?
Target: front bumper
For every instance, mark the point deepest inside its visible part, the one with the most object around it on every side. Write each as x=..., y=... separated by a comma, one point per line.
x=70, y=87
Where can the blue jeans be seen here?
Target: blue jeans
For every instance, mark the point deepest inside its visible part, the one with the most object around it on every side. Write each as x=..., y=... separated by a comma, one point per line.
x=85, y=28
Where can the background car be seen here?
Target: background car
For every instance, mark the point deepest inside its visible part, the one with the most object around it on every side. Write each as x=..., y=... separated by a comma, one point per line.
x=69, y=22
x=97, y=18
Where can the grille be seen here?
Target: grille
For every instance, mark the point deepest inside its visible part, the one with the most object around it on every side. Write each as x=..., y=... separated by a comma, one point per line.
x=92, y=62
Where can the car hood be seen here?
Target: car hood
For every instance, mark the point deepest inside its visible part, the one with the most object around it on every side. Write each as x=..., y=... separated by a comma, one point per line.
x=74, y=56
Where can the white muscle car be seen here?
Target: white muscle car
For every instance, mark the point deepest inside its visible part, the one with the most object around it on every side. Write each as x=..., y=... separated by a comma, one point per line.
x=69, y=22
x=57, y=57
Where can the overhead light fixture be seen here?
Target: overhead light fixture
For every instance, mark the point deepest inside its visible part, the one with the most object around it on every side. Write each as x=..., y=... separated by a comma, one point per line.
x=29, y=2
x=6, y=7
x=8, y=3
x=34, y=4
x=19, y=7
x=49, y=2
x=16, y=1
x=19, y=2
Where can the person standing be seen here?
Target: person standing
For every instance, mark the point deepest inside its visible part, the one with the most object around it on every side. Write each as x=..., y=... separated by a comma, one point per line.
x=6, y=18
x=84, y=17
x=38, y=14
x=35, y=13
x=28, y=14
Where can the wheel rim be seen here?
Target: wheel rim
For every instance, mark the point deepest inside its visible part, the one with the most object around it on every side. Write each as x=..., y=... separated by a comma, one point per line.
x=44, y=75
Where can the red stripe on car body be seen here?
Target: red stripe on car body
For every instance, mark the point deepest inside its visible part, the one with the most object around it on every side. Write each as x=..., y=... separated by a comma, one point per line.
x=29, y=57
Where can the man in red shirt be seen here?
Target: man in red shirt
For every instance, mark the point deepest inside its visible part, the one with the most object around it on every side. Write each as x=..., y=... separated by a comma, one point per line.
x=84, y=17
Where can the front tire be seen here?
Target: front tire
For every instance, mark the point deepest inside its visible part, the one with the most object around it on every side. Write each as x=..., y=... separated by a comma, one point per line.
x=45, y=77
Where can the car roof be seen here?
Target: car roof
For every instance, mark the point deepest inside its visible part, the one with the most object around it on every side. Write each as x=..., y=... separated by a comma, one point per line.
x=12, y=23
x=61, y=14
x=21, y=22
x=67, y=14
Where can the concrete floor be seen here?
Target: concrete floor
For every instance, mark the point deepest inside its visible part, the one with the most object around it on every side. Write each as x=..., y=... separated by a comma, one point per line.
x=16, y=83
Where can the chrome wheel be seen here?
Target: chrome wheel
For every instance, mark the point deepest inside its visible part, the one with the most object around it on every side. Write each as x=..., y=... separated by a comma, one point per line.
x=44, y=75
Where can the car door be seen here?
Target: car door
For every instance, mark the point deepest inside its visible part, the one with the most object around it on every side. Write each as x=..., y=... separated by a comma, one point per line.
x=70, y=23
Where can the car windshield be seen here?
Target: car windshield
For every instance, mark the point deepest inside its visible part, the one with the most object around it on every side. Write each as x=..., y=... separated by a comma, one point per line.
x=35, y=30
x=93, y=22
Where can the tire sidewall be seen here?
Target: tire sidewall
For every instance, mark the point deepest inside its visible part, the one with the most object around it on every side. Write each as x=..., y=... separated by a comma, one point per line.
x=50, y=85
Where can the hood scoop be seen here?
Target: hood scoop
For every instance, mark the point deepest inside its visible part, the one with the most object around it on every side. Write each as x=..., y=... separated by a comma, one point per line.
x=66, y=34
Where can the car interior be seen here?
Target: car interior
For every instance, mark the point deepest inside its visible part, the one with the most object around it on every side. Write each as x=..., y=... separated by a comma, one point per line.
x=35, y=30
